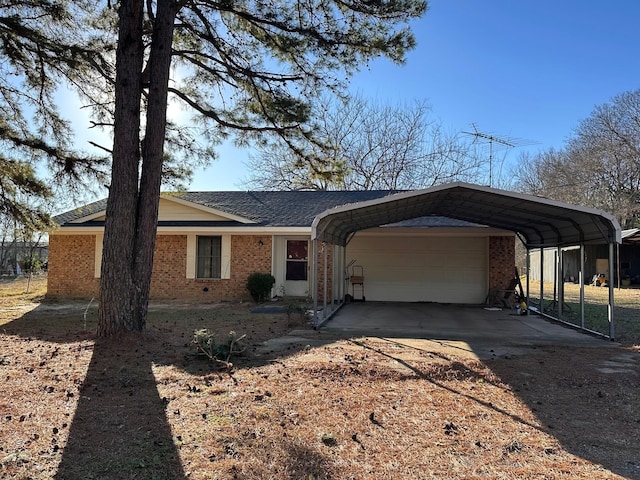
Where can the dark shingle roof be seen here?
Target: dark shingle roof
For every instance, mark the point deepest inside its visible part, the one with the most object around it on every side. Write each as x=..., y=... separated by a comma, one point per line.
x=272, y=208
x=80, y=212
x=290, y=208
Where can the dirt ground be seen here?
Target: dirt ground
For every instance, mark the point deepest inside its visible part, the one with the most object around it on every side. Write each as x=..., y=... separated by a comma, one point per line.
x=147, y=407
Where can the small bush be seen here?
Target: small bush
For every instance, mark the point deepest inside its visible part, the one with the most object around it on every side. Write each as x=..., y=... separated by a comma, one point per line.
x=295, y=311
x=222, y=352
x=31, y=263
x=260, y=285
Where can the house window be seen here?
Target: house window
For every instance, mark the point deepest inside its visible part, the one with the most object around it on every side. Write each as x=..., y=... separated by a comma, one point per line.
x=297, y=254
x=209, y=257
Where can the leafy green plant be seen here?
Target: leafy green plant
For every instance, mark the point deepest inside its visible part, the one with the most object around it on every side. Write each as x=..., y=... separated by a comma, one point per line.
x=296, y=311
x=31, y=263
x=222, y=352
x=260, y=285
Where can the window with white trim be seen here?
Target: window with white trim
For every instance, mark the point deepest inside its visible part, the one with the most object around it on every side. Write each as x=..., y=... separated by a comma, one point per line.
x=297, y=259
x=209, y=257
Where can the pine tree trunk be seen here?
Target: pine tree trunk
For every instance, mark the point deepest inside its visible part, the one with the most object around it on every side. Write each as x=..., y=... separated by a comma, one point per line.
x=152, y=156
x=118, y=255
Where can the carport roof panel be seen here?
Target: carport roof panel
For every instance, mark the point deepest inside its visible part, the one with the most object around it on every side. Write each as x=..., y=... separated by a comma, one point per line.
x=539, y=221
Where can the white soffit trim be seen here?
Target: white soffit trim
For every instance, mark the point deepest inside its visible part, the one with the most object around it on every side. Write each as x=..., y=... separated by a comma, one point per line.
x=195, y=229
x=88, y=218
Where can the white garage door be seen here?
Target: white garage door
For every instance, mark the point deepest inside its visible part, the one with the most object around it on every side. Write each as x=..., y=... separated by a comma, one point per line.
x=421, y=269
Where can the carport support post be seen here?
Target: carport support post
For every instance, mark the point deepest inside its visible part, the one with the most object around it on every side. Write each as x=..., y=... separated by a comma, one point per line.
x=325, y=272
x=343, y=276
x=528, y=278
x=581, y=280
x=559, y=287
x=315, y=282
x=610, y=307
x=541, y=279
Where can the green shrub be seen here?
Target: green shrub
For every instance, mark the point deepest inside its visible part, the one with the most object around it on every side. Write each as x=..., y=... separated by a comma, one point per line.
x=222, y=352
x=296, y=311
x=260, y=285
x=31, y=263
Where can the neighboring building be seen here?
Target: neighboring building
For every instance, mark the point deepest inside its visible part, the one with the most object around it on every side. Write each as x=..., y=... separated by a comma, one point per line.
x=14, y=255
x=209, y=242
x=596, y=261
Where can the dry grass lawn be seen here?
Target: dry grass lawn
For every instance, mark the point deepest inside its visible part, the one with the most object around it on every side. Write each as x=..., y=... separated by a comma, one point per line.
x=146, y=407
x=626, y=308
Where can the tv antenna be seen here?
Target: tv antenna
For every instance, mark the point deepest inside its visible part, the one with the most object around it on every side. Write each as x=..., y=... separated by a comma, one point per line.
x=496, y=142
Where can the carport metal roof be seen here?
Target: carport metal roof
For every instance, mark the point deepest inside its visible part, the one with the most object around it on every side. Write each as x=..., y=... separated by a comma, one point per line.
x=539, y=222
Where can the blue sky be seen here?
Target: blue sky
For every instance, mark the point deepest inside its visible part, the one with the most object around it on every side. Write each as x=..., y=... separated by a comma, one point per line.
x=517, y=69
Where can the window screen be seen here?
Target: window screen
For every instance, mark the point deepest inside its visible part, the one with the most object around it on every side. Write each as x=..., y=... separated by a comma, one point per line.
x=209, y=253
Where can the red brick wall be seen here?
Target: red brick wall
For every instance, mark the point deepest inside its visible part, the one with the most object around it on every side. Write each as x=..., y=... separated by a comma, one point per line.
x=248, y=256
x=502, y=261
x=168, y=278
x=71, y=271
x=71, y=268
x=320, y=285
x=170, y=262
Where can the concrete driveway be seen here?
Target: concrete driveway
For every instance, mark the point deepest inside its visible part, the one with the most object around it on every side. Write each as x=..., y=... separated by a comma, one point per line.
x=480, y=332
x=460, y=330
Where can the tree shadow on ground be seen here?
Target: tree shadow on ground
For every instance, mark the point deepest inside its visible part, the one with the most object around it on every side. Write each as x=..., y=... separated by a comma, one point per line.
x=585, y=398
x=120, y=427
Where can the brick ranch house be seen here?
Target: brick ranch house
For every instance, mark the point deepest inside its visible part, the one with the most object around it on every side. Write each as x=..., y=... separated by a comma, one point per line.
x=209, y=242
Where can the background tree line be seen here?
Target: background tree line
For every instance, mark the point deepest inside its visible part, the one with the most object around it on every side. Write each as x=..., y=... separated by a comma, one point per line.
x=366, y=145
x=598, y=167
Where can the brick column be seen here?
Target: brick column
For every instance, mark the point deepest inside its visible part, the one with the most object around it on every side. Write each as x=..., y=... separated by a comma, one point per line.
x=502, y=261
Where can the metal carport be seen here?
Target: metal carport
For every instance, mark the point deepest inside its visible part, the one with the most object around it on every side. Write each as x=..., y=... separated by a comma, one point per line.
x=538, y=222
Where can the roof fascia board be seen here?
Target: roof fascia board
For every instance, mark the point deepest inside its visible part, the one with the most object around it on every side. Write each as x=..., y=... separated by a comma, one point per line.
x=248, y=230
x=88, y=218
x=237, y=230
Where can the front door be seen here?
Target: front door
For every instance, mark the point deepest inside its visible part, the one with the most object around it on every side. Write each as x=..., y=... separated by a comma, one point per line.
x=297, y=268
